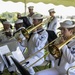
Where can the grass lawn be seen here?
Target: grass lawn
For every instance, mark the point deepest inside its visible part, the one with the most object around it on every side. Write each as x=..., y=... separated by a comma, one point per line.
x=6, y=72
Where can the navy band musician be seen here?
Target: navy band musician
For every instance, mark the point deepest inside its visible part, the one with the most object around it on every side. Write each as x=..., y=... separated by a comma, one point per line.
x=31, y=13
x=35, y=42
x=52, y=26
x=6, y=33
x=5, y=36
x=67, y=58
x=19, y=37
x=26, y=22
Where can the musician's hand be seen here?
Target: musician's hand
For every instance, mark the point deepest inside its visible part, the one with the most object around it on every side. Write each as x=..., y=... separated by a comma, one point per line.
x=34, y=30
x=62, y=40
x=19, y=40
x=59, y=41
x=8, y=34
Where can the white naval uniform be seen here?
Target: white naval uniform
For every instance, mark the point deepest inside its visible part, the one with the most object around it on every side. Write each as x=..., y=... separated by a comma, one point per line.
x=30, y=18
x=67, y=60
x=3, y=38
x=1, y=64
x=15, y=53
x=53, y=25
x=35, y=43
x=20, y=44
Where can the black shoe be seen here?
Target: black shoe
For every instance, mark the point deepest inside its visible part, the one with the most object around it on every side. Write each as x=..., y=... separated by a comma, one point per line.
x=11, y=73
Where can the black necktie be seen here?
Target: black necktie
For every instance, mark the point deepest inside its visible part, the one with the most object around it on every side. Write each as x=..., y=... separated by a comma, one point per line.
x=60, y=59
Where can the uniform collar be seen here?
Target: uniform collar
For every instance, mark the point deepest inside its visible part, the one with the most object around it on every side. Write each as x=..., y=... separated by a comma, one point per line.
x=71, y=43
x=40, y=30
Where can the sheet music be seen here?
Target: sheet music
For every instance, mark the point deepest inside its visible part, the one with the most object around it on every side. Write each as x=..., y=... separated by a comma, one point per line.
x=18, y=55
x=4, y=50
x=12, y=44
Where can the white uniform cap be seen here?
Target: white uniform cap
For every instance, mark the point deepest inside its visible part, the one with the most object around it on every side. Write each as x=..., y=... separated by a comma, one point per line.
x=37, y=16
x=30, y=7
x=6, y=23
x=52, y=10
x=67, y=24
x=19, y=21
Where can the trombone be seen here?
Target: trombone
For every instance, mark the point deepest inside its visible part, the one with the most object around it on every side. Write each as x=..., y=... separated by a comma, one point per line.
x=37, y=52
x=38, y=59
x=54, y=50
x=27, y=31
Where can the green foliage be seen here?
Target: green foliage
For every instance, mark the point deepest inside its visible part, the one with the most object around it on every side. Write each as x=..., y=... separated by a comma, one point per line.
x=9, y=16
x=6, y=72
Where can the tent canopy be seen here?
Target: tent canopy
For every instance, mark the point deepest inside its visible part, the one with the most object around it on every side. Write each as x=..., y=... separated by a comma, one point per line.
x=56, y=2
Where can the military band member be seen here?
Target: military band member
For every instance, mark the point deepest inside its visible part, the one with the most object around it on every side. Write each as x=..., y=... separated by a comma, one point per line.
x=52, y=26
x=18, y=24
x=26, y=22
x=35, y=42
x=31, y=13
x=67, y=51
x=6, y=33
x=20, y=38
x=5, y=36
